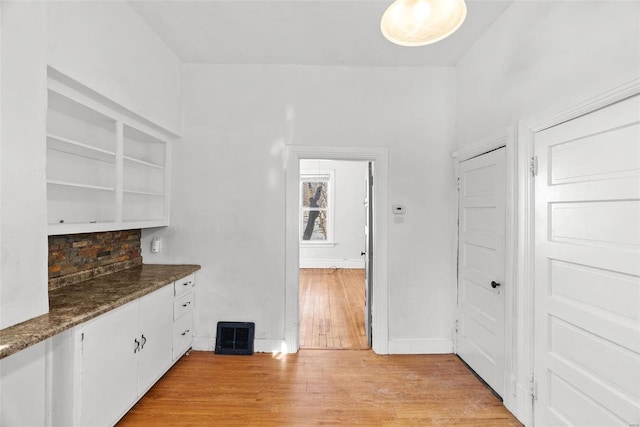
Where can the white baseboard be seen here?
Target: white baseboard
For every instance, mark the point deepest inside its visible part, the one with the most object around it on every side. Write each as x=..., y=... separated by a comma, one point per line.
x=421, y=346
x=259, y=345
x=269, y=346
x=204, y=343
x=331, y=263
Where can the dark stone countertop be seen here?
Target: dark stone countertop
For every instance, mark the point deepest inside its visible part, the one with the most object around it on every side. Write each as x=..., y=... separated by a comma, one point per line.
x=74, y=304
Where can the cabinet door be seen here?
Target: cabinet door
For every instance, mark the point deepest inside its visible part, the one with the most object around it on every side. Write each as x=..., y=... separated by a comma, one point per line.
x=108, y=366
x=155, y=333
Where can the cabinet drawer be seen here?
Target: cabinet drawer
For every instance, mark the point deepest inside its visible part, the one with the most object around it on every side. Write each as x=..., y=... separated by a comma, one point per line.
x=182, y=335
x=183, y=285
x=183, y=305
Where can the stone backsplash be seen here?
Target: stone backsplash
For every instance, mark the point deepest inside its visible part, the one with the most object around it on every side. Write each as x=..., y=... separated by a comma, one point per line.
x=77, y=257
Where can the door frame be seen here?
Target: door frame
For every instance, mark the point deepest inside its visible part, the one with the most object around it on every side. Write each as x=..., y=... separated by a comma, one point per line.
x=379, y=292
x=504, y=138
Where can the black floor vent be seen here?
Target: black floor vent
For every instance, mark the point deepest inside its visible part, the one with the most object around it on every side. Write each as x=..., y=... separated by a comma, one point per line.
x=235, y=338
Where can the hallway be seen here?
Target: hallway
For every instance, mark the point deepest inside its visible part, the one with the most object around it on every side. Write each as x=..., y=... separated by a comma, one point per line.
x=332, y=309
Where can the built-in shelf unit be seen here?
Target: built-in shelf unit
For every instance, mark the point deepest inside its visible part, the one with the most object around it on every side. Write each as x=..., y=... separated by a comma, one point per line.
x=107, y=169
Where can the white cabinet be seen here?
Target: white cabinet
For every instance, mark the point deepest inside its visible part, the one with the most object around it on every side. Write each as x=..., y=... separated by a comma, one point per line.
x=108, y=369
x=154, y=355
x=23, y=388
x=107, y=168
x=112, y=361
x=100, y=368
x=184, y=300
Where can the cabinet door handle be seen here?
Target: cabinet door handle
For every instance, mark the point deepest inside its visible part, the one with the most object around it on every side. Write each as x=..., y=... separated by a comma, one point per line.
x=144, y=341
x=186, y=303
x=185, y=332
x=135, y=350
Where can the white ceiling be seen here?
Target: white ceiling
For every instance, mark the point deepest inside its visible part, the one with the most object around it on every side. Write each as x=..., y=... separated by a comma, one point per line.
x=306, y=32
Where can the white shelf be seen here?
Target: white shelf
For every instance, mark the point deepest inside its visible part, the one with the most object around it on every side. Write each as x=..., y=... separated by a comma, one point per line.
x=64, y=103
x=144, y=193
x=139, y=162
x=92, y=227
x=66, y=145
x=107, y=169
x=77, y=185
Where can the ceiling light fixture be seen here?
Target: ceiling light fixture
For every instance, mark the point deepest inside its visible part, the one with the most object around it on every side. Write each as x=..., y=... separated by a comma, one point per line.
x=422, y=22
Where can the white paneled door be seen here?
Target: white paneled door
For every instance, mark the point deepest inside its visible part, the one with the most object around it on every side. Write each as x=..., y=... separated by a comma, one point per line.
x=587, y=268
x=481, y=246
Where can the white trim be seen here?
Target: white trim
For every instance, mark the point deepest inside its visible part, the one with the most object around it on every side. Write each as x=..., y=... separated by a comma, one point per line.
x=317, y=244
x=203, y=343
x=421, y=346
x=486, y=144
x=520, y=403
x=551, y=118
x=269, y=346
x=332, y=263
x=380, y=157
x=259, y=345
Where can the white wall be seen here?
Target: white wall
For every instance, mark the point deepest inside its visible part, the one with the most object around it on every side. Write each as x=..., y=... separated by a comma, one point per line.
x=228, y=207
x=543, y=56
x=107, y=47
x=349, y=213
x=23, y=247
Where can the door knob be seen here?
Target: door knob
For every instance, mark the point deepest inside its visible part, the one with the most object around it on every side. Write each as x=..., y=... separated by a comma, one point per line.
x=494, y=284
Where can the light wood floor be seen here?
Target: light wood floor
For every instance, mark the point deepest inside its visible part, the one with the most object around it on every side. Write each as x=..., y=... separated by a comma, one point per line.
x=319, y=387
x=332, y=309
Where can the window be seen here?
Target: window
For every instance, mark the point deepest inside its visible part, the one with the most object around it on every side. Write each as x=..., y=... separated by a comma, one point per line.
x=316, y=207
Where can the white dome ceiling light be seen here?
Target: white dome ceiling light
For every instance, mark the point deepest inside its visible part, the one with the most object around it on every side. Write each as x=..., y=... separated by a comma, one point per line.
x=422, y=22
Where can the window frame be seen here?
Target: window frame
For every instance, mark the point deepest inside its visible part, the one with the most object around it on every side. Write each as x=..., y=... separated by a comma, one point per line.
x=311, y=176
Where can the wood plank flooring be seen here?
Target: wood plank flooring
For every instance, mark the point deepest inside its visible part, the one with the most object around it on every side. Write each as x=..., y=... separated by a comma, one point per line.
x=319, y=387
x=332, y=309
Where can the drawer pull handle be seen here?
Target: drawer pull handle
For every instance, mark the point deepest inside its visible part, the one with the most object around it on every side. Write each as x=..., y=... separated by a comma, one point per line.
x=186, y=303
x=185, y=332
x=186, y=283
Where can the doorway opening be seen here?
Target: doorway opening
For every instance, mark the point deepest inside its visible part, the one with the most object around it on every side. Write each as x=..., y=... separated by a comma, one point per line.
x=335, y=278
x=378, y=256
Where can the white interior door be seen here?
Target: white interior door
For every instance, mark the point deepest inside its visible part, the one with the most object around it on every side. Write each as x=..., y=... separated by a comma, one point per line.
x=587, y=268
x=481, y=230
